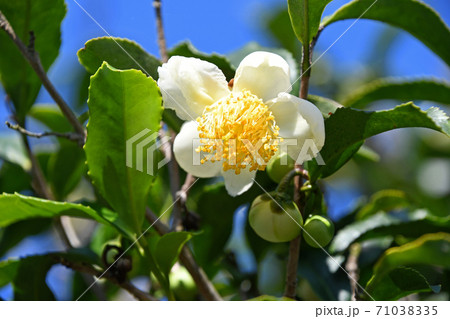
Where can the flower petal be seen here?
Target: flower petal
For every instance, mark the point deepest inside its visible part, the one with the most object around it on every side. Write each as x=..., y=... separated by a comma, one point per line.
x=264, y=74
x=184, y=150
x=236, y=184
x=189, y=84
x=301, y=120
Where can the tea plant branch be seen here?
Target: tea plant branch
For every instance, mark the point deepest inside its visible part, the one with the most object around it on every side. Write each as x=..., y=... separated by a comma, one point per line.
x=90, y=270
x=32, y=56
x=70, y=135
x=160, y=29
x=294, y=246
x=204, y=285
x=352, y=269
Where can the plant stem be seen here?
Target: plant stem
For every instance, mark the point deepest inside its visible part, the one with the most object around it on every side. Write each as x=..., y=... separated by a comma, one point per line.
x=90, y=270
x=352, y=269
x=294, y=248
x=160, y=29
x=31, y=55
x=204, y=285
x=70, y=136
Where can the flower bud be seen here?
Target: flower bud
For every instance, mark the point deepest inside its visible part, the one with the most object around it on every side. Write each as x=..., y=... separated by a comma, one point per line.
x=319, y=228
x=274, y=223
x=278, y=166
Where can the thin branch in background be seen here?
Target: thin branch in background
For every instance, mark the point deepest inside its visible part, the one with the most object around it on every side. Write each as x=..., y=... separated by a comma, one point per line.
x=32, y=56
x=294, y=248
x=352, y=269
x=160, y=29
x=204, y=285
x=70, y=136
x=126, y=285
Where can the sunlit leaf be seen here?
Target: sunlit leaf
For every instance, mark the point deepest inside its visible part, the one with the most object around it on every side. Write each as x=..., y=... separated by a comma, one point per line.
x=413, y=16
x=168, y=248
x=390, y=281
x=16, y=207
x=120, y=53
x=346, y=130
x=44, y=19
x=305, y=17
x=122, y=104
x=398, y=89
x=410, y=224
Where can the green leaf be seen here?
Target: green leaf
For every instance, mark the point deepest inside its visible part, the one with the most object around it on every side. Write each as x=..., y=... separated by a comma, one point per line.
x=66, y=166
x=122, y=104
x=65, y=169
x=346, y=130
x=8, y=270
x=16, y=207
x=51, y=116
x=168, y=248
x=326, y=106
x=385, y=200
x=13, y=234
x=398, y=89
x=410, y=224
x=29, y=282
x=28, y=275
x=120, y=53
x=279, y=26
x=430, y=249
x=305, y=18
x=13, y=150
x=44, y=19
x=415, y=17
x=160, y=197
x=188, y=50
x=13, y=178
x=400, y=282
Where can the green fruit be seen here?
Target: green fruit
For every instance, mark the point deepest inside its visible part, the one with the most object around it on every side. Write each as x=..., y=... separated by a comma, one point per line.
x=274, y=223
x=319, y=228
x=278, y=166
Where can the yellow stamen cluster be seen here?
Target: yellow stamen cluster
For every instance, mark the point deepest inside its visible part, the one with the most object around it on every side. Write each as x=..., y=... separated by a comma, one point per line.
x=240, y=130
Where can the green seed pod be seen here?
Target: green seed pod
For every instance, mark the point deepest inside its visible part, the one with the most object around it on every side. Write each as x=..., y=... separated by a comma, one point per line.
x=278, y=166
x=274, y=223
x=319, y=228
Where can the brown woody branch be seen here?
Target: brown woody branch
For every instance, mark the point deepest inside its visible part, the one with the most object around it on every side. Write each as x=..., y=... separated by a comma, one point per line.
x=160, y=29
x=70, y=135
x=126, y=285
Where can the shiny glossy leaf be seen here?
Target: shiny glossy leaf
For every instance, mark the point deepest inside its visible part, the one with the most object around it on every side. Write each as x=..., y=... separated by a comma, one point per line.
x=398, y=89
x=413, y=16
x=44, y=19
x=120, y=53
x=122, y=104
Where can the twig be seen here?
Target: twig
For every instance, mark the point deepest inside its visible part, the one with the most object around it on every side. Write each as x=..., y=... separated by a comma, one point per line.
x=126, y=285
x=352, y=269
x=291, y=270
x=294, y=248
x=32, y=56
x=204, y=285
x=70, y=136
x=182, y=211
x=160, y=29
x=39, y=183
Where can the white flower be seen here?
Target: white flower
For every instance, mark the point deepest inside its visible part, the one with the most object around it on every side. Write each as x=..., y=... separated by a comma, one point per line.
x=236, y=131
